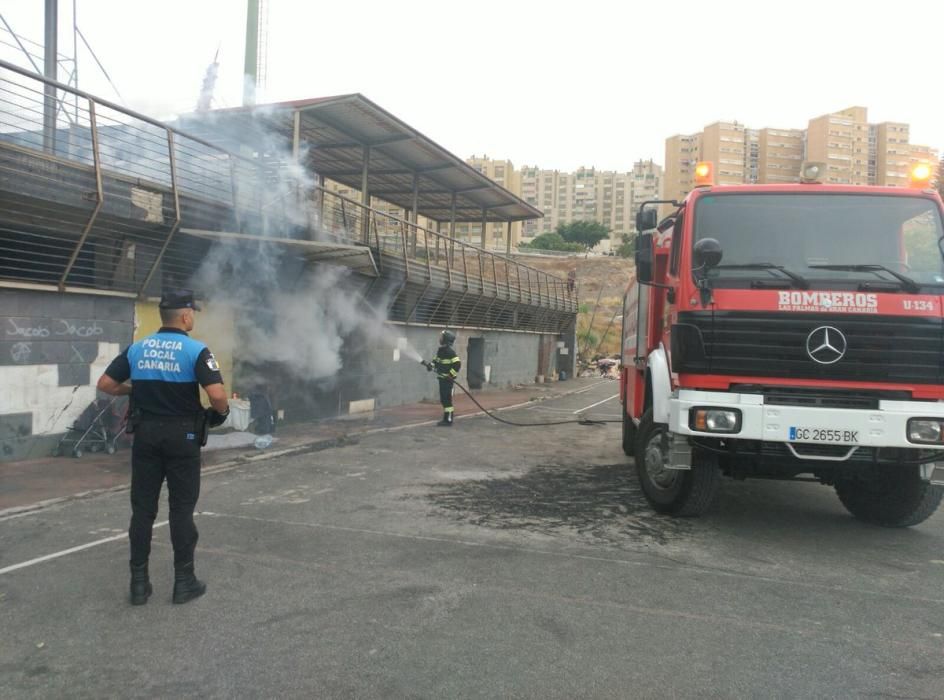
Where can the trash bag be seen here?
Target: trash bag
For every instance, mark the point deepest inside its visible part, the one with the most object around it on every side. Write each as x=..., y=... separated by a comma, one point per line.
x=261, y=415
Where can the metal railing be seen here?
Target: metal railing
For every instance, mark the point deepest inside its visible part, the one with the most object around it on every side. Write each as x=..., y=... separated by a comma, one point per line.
x=425, y=256
x=96, y=200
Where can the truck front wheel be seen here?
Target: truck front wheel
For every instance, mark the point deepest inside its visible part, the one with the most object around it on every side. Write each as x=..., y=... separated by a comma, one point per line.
x=683, y=492
x=899, y=497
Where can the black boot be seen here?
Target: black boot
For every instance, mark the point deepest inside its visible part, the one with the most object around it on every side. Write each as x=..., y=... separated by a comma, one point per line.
x=446, y=421
x=140, y=584
x=186, y=585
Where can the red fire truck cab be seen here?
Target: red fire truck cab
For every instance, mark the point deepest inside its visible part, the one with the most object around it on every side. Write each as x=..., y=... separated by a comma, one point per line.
x=789, y=331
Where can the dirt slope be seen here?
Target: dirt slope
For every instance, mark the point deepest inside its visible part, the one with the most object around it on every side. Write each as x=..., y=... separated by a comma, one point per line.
x=601, y=283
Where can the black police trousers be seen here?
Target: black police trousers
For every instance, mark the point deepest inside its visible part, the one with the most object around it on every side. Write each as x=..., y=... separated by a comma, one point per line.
x=167, y=448
x=445, y=394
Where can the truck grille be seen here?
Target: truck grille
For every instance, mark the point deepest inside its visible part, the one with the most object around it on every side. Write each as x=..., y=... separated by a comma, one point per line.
x=822, y=398
x=879, y=348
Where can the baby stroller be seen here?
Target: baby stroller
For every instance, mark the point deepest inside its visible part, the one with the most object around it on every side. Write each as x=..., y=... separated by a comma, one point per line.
x=97, y=429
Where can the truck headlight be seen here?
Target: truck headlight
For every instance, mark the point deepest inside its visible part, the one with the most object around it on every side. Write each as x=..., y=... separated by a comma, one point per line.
x=715, y=420
x=926, y=431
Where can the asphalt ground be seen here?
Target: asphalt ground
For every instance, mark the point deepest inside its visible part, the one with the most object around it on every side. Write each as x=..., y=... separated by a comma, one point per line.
x=477, y=561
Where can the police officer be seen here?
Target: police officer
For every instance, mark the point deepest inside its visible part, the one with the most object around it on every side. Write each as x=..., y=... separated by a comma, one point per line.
x=447, y=365
x=169, y=425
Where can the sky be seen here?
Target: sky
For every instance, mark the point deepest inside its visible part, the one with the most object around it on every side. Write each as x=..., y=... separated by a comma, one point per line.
x=554, y=84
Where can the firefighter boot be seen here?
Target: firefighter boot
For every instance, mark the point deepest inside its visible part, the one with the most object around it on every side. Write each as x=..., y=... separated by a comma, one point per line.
x=186, y=585
x=140, y=584
x=446, y=421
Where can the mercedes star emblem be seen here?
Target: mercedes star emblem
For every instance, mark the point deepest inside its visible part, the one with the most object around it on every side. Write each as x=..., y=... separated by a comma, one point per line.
x=826, y=345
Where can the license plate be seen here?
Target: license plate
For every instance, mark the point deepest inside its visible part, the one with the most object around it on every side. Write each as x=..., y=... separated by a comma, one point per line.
x=833, y=436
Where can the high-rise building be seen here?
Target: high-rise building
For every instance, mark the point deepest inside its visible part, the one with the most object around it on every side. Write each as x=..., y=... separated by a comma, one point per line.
x=929, y=156
x=893, y=154
x=724, y=144
x=681, y=154
x=780, y=155
x=588, y=194
x=646, y=185
x=751, y=155
x=841, y=141
x=854, y=151
x=539, y=189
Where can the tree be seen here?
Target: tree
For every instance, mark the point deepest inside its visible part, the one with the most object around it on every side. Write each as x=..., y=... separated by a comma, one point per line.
x=553, y=241
x=586, y=233
x=628, y=247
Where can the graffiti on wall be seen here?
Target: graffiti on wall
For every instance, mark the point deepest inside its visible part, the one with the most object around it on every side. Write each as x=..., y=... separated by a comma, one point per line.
x=53, y=347
x=58, y=328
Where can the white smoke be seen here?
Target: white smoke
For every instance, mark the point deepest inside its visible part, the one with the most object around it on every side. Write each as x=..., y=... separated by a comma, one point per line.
x=302, y=327
x=294, y=314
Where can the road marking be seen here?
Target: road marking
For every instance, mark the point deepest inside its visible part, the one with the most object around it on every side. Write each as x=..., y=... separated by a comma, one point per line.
x=586, y=389
x=569, y=412
x=548, y=409
x=71, y=550
x=587, y=408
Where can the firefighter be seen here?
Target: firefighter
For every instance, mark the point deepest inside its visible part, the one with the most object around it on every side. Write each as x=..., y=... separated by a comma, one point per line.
x=447, y=365
x=166, y=370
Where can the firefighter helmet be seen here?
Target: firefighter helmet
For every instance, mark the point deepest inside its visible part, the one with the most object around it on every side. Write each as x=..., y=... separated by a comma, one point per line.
x=447, y=338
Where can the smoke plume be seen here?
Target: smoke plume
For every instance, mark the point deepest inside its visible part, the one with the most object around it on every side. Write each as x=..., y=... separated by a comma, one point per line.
x=284, y=310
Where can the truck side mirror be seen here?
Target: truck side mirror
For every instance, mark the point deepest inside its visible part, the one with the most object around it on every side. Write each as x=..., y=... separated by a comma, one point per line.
x=646, y=219
x=707, y=254
x=644, y=258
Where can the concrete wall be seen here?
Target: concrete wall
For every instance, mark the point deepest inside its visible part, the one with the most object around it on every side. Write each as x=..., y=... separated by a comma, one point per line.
x=381, y=373
x=510, y=358
x=394, y=378
x=53, y=347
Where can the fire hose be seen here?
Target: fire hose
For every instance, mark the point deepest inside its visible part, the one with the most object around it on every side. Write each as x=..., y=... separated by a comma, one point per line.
x=579, y=421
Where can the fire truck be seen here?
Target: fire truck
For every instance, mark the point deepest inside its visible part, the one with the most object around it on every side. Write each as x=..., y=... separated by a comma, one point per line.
x=789, y=331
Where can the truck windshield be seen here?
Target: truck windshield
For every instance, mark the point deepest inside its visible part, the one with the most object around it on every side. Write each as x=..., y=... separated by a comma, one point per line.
x=825, y=238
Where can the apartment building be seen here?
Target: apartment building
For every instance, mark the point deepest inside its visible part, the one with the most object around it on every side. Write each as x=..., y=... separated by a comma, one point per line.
x=892, y=154
x=780, y=155
x=928, y=155
x=646, y=185
x=841, y=140
x=854, y=151
x=539, y=189
x=587, y=194
x=751, y=155
x=681, y=154
x=725, y=145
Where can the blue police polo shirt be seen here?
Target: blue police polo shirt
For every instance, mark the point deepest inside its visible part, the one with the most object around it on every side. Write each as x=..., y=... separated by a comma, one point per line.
x=166, y=370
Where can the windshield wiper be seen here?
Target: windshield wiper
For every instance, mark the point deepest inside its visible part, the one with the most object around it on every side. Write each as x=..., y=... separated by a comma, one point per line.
x=800, y=281
x=907, y=284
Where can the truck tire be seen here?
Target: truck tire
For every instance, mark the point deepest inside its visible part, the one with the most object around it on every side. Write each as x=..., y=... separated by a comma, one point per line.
x=681, y=492
x=899, y=498
x=629, y=435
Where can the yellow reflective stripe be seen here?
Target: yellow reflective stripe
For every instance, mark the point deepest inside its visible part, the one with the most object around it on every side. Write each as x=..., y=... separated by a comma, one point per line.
x=450, y=409
x=453, y=373
x=443, y=361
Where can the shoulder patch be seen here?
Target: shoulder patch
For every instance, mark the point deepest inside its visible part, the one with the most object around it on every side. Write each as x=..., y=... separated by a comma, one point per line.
x=212, y=363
